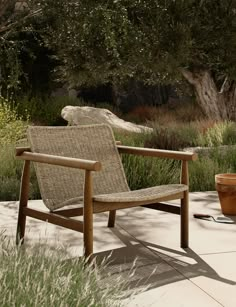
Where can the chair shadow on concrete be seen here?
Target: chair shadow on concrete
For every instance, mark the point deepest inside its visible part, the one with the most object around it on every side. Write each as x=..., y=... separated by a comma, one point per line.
x=145, y=268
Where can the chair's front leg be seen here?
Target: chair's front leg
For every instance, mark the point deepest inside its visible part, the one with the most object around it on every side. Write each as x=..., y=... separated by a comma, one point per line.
x=24, y=194
x=184, y=210
x=88, y=214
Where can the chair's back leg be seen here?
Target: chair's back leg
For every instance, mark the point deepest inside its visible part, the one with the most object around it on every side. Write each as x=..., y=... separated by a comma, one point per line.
x=112, y=218
x=185, y=221
x=184, y=211
x=24, y=194
x=88, y=215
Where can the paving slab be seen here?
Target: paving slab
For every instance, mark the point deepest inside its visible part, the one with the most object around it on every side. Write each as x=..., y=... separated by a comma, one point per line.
x=177, y=294
x=144, y=248
x=213, y=273
x=161, y=230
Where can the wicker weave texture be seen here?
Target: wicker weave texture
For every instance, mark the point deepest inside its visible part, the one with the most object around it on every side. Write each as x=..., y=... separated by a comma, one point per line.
x=60, y=186
x=148, y=194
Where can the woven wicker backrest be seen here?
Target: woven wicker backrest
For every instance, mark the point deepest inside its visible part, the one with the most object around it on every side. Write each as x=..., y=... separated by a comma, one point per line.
x=60, y=186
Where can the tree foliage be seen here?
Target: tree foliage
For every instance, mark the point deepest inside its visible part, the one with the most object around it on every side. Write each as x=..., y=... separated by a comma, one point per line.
x=15, y=23
x=145, y=39
x=155, y=41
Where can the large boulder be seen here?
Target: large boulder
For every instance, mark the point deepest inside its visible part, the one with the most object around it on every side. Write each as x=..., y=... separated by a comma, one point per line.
x=89, y=115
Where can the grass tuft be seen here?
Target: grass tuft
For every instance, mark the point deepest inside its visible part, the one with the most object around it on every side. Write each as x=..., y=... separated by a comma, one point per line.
x=38, y=277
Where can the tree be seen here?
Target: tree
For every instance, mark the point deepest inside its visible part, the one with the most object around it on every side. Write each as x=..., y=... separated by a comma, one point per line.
x=15, y=19
x=151, y=40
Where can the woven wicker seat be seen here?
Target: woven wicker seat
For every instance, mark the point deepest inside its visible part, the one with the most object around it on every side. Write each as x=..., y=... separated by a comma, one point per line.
x=82, y=165
x=149, y=194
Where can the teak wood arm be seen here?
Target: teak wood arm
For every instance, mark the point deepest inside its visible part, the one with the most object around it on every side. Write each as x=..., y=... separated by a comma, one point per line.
x=151, y=152
x=25, y=154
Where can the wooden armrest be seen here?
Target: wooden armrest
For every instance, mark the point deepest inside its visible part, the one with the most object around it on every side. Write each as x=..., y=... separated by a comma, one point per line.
x=151, y=152
x=25, y=154
x=20, y=150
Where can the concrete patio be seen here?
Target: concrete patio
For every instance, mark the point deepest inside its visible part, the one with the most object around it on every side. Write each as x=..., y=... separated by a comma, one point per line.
x=202, y=275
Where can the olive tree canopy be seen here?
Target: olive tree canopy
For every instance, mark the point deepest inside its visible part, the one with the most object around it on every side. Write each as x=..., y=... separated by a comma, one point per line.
x=150, y=40
x=15, y=18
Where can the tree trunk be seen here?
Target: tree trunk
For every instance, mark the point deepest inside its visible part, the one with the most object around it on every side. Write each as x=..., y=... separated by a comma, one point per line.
x=216, y=105
x=230, y=100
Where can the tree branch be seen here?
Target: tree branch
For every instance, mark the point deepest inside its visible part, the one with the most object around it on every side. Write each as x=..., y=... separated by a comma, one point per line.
x=13, y=24
x=187, y=75
x=224, y=85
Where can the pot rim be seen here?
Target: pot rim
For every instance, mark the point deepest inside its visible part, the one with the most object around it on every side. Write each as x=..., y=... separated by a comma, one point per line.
x=227, y=178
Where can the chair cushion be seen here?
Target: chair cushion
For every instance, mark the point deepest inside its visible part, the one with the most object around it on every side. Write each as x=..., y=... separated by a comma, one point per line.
x=148, y=194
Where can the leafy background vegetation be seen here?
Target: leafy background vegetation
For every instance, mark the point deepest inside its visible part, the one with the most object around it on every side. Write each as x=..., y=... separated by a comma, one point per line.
x=121, y=45
x=176, y=134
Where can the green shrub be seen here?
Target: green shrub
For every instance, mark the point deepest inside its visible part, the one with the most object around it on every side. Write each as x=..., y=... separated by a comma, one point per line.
x=213, y=136
x=12, y=129
x=47, y=112
x=223, y=133
x=229, y=134
x=39, y=277
x=174, y=137
x=130, y=138
x=142, y=172
x=10, y=175
x=215, y=161
x=147, y=172
x=12, y=126
x=202, y=174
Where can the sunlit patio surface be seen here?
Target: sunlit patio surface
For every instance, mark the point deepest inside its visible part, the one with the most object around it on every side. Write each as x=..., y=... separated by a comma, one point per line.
x=148, y=241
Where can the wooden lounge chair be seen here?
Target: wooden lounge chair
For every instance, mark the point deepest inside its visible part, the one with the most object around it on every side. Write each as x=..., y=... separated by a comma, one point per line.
x=81, y=164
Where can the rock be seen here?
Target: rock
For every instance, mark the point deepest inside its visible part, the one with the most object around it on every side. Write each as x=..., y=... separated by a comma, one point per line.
x=89, y=115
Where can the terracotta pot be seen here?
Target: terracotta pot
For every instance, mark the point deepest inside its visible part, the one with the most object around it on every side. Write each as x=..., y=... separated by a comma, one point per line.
x=226, y=188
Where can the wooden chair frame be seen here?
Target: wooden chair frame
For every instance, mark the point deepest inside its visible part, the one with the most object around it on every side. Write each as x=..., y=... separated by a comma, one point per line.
x=63, y=217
